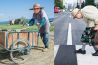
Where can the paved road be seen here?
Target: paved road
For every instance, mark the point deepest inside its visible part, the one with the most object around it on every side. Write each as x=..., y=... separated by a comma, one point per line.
x=63, y=52
x=61, y=28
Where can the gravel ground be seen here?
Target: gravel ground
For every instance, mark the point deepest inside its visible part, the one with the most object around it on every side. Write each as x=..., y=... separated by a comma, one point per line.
x=37, y=57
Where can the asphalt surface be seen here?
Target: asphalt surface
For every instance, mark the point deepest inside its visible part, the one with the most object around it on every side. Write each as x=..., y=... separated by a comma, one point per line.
x=61, y=28
x=66, y=56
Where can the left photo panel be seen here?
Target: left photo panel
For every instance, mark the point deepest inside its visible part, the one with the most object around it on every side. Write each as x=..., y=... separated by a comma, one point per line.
x=26, y=32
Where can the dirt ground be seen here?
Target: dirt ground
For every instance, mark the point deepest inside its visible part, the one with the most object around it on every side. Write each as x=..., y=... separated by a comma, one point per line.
x=37, y=57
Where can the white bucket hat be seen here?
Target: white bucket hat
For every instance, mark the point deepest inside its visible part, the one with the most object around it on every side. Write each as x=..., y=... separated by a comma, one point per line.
x=75, y=11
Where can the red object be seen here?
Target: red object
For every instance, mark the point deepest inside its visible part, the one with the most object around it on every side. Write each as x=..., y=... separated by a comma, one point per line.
x=56, y=9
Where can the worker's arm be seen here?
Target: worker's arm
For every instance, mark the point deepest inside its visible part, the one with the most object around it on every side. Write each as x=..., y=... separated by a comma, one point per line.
x=31, y=22
x=42, y=22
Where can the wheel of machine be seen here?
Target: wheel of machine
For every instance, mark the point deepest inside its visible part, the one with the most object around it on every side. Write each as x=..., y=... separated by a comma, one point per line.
x=20, y=51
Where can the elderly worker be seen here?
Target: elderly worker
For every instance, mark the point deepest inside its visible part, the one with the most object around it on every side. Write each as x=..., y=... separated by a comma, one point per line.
x=90, y=15
x=41, y=20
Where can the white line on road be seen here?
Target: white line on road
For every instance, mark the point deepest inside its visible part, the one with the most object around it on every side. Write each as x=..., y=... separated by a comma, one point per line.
x=86, y=59
x=69, y=40
x=56, y=47
x=69, y=37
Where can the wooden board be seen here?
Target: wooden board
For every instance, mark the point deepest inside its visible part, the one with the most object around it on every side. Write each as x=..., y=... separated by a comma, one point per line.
x=15, y=37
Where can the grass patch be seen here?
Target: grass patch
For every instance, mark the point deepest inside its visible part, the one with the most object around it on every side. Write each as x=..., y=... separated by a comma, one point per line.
x=52, y=27
x=28, y=28
x=7, y=26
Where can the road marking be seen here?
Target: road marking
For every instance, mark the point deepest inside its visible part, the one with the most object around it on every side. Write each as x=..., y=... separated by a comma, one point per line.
x=69, y=37
x=56, y=47
x=69, y=40
x=86, y=59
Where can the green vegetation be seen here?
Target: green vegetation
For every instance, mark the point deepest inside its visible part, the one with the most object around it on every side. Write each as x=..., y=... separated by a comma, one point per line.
x=90, y=2
x=52, y=28
x=21, y=27
x=7, y=26
x=59, y=3
x=17, y=27
x=22, y=21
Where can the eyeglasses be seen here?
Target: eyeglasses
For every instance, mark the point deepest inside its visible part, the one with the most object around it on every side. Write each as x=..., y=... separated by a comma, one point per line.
x=36, y=8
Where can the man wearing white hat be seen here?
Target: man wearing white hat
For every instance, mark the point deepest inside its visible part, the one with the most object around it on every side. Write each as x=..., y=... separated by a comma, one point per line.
x=90, y=15
x=40, y=18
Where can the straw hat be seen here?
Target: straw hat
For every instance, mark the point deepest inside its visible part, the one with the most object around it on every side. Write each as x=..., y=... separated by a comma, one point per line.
x=75, y=11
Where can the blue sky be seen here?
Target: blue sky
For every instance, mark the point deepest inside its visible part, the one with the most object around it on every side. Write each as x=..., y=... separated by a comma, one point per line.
x=11, y=9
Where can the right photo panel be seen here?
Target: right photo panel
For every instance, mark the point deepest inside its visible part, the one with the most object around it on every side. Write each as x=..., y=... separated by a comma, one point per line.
x=76, y=32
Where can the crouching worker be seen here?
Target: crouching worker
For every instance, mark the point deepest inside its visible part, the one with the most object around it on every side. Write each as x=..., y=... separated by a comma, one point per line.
x=90, y=15
x=41, y=20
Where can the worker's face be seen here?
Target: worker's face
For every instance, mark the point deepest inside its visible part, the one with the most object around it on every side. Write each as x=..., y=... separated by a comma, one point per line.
x=37, y=9
x=78, y=15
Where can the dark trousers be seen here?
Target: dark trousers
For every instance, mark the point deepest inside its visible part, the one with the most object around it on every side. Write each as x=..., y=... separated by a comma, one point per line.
x=45, y=39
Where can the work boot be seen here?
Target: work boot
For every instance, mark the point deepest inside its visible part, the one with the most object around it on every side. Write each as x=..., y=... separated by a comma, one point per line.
x=95, y=54
x=80, y=51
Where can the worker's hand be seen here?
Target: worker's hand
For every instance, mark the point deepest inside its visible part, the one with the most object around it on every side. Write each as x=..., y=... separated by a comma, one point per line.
x=38, y=24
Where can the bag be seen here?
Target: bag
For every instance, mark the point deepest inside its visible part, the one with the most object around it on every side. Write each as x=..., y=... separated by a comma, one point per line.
x=96, y=38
